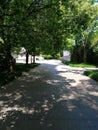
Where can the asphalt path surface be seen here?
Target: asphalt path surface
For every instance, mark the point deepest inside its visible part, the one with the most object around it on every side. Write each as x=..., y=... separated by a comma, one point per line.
x=52, y=96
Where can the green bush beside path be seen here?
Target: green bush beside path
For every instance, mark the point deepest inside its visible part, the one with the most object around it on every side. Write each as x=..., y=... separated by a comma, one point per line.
x=6, y=77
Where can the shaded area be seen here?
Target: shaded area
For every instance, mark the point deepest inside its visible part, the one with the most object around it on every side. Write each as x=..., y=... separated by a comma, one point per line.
x=49, y=98
x=7, y=76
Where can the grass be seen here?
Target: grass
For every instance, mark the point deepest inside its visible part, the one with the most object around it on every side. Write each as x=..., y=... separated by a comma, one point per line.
x=92, y=74
x=81, y=65
x=6, y=77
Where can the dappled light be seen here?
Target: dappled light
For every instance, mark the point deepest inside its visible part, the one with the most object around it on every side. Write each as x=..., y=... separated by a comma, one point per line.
x=52, y=96
x=48, y=98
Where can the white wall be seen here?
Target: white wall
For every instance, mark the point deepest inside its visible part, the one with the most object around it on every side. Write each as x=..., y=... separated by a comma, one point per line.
x=66, y=55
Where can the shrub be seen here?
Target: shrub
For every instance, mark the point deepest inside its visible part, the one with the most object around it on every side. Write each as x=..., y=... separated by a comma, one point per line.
x=87, y=73
x=48, y=57
x=6, y=76
x=94, y=76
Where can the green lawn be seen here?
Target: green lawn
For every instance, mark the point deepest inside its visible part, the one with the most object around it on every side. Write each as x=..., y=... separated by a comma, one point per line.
x=82, y=65
x=6, y=77
x=92, y=74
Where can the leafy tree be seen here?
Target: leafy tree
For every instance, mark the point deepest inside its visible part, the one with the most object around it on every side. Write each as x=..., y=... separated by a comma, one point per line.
x=84, y=28
x=45, y=26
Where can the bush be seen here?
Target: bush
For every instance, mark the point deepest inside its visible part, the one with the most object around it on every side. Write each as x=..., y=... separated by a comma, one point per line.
x=92, y=74
x=81, y=65
x=87, y=73
x=48, y=57
x=3, y=63
x=6, y=76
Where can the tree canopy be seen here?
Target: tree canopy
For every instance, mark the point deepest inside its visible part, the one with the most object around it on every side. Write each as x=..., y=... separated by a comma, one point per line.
x=45, y=26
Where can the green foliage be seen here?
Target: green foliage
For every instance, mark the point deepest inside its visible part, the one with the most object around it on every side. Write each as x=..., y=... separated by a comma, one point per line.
x=1, y=41
x=82, y=65
x=46, y=27
x=55, y=56
x=87, y=73
x=48, y=57
x=69, y=44
x=92, y=74
x=6, y=76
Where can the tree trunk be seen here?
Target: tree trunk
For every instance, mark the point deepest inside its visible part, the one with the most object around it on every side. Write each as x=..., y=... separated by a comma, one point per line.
x=76, y=53
x=10, y=60
x=85, y=53
x=11, y=64
x=33, y=58
x=27, y=57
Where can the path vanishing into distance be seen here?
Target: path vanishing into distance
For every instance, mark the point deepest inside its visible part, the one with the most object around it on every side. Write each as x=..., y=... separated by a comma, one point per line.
x=51, y=96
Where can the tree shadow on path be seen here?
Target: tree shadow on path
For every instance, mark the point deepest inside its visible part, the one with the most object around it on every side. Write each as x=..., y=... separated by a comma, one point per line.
x=46, y=99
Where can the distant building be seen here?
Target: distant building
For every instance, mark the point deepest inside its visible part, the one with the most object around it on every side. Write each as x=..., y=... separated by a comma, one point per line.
x=21, y=57
x=66, y=55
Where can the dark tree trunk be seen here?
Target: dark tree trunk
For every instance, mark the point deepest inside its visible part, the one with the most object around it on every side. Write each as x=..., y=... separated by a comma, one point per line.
x=11, y=64
x=85, y=53
x=33, y=58
x=76, y=52
x=10, y=61
x=27, y=57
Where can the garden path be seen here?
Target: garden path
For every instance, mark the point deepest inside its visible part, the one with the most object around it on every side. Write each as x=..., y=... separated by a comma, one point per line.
x=51, y=96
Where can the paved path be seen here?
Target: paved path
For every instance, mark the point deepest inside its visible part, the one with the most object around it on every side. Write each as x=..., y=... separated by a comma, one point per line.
x=50, y=97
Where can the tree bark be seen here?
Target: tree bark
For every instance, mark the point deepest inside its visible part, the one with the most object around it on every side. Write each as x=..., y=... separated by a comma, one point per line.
x=85, y=53
x=27, y=57
x=76, y=53
x=11, y=62
x=11, y=65
x=33, y=58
